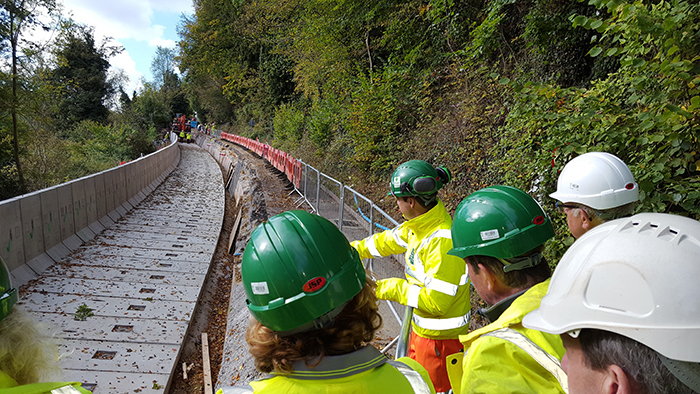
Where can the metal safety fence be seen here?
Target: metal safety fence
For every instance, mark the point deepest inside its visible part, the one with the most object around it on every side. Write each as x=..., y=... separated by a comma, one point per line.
x=355, y=215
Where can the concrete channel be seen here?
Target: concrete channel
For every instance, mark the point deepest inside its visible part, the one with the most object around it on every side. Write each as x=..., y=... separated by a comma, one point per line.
x=142, y=279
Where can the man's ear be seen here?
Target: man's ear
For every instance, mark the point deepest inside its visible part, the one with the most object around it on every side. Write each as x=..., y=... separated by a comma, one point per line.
x=585, y=220
x=616, y=381
x=489, y=277
x=411, y=201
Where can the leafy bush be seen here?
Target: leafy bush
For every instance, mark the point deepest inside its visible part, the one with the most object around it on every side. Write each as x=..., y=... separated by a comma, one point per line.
x=385, y=106
x=288, y=123
x=646, y=113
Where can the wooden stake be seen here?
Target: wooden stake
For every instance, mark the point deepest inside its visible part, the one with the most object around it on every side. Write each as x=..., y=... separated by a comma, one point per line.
x=184, y=371
x=205, y=365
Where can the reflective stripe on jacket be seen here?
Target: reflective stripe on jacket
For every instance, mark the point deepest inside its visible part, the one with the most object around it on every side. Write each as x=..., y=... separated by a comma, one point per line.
x=436, y=284
x=363, y=371
x=505, y=357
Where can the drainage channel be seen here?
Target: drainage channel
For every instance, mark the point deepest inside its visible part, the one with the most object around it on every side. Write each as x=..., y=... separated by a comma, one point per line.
x=136, y=284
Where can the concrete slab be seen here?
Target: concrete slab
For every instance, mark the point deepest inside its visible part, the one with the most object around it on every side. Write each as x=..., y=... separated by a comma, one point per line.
x=115, y=287
x=116, y=329
x=158, y=254
x=11, y=237
x=106, y=221
x=137, y=232
x=40, y=263
x=140, y=263
x=117, y=382
x=119, y=357
x=114, y=215
x=123, y=208
x=58, y=252
x=96, y=227
x=85, y=234
x=179, y=245
x=44, y=306
x=73, y=242
x=22, y=275
x=143, y=276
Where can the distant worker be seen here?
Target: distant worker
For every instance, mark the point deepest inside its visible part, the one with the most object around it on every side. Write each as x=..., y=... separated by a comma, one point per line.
x=193, y=124
x=626, y=302
x=314, y=312
x=26, y=354
x=182, y=122
x=189, y=137
x=593, y=188
x=182, y=136
x=436, y=284
x=500, y=232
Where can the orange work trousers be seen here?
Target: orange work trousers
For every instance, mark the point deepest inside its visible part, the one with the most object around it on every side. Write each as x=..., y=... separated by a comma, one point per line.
x=432, y=355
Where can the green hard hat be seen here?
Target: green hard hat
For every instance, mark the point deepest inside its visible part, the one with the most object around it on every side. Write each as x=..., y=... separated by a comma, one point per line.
x=499, y=221
x=417, y=178
x=8, y=294
x=299, y=271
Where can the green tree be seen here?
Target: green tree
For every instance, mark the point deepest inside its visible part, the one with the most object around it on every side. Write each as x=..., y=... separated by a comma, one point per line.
x=81, y=72
x=16, y=17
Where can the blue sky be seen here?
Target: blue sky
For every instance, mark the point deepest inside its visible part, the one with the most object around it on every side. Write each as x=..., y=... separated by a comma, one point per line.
x=138, y=25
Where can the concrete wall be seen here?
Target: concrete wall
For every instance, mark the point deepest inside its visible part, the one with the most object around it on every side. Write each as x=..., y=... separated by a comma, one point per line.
x=42, y=227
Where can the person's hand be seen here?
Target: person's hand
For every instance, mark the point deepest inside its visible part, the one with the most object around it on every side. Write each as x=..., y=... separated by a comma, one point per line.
x=391, y=289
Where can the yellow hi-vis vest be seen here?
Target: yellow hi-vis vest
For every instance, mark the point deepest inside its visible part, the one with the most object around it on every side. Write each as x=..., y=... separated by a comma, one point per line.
x=9, y=386
x=437, y=284
x=360, y=372
x=505, y=357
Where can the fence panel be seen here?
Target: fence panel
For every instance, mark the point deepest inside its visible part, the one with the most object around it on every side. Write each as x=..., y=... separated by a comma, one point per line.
x=355, y=215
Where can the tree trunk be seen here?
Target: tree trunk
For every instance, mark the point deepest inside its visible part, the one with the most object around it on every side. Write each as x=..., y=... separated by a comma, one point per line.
x=14, y=38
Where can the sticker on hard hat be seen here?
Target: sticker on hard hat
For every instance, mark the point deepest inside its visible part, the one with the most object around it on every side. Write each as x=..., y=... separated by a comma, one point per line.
x=314, y=284
x=489, y=235
x=259, y=288
x=397, y=181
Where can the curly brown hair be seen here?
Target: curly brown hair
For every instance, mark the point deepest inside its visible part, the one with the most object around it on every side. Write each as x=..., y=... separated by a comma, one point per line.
x=353, y=328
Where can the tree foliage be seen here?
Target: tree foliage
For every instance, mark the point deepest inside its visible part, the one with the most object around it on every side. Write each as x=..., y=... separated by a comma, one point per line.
x=81, y=74
x=58, y=115
x=501, y=91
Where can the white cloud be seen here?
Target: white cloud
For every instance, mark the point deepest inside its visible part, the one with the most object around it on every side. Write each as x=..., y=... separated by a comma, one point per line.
x=124, y=62
x=117, y=19
x=128, y=19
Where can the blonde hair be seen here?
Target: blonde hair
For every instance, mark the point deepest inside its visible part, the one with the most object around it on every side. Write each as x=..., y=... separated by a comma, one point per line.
x=353, y=328
x=26, y=353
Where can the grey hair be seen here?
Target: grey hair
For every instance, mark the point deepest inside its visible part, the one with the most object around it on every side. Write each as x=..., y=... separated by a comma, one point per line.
x=642, y=364
x=603, y=215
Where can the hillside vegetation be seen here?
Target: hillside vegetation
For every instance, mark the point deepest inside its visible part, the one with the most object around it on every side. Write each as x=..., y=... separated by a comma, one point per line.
x=64, y=113
x=500, y=91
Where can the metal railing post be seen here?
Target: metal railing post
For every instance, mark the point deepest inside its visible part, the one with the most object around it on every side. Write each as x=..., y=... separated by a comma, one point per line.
x=405, y=335
x=318, y=190
x=342, y=202
x=306, y=173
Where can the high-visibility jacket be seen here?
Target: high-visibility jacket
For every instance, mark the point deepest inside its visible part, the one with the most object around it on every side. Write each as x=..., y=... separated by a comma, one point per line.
x=437, y=284
x=362, y=371
x=182, y=134
x=9, y=386
x=505, y=357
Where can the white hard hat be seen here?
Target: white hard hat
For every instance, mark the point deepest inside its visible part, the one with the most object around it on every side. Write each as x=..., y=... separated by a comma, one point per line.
x=637, y=277
x=599, y=180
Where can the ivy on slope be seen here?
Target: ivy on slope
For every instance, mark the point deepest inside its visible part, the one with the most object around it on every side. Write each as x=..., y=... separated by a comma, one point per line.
x=647, y=112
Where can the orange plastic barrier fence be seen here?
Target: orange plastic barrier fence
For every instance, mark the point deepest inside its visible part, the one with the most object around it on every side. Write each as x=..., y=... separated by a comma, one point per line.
x=282, y=161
